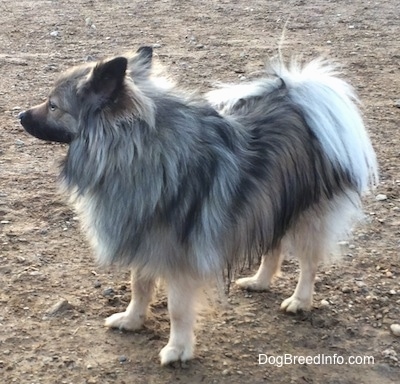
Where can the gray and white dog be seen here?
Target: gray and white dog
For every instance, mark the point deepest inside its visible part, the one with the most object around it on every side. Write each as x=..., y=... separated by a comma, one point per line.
x=179, y=188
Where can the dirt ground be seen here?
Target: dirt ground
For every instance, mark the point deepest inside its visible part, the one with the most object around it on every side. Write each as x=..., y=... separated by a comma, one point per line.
x=44, y=258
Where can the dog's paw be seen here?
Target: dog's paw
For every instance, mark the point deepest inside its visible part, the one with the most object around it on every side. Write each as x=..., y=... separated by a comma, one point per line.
x=252, y=284
x=295, y=304
x=172, y=353
x=124, y=321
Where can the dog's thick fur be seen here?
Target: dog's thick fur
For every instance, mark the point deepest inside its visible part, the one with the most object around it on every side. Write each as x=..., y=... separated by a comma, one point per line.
x=180, y=188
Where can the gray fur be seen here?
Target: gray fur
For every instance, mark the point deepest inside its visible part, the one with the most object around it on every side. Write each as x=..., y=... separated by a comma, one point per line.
x=165, y=184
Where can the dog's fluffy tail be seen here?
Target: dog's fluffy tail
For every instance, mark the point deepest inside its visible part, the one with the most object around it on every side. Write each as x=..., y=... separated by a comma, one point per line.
x=330, y=108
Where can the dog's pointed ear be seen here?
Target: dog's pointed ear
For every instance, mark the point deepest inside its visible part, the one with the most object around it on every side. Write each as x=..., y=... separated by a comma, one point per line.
x=145, y=53
x=107, y=78
x=141, y=62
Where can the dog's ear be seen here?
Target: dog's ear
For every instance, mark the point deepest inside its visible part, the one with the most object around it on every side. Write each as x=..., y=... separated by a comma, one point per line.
x=145, y=54
x=141, y=62
x=107, y=78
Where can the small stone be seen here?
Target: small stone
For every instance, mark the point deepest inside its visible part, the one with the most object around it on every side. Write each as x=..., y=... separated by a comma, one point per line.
x=390, y=353
x=346, y=290
x=19, y=142
x=60, y=307
x=225, y=372
x=122, y=359
x=108, y=292
x=395, y=328
x=156, y=45
x=324, y=303
x=397, y=103
x=97, y=284
x=54, y=34
x=381, y=197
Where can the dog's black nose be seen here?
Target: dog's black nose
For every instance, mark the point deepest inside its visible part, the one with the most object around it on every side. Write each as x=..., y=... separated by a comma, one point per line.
x=22, y=115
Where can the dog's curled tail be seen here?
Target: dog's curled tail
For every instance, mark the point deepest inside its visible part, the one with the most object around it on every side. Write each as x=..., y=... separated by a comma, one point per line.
x=330, y=107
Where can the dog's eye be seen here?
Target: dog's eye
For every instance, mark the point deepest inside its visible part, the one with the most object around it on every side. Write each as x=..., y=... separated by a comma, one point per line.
x=52, y=106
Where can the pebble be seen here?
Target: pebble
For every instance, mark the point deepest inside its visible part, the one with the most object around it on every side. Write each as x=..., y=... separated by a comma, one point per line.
x=381, y=197
x=62, y=306
x=390, y=353
x=324, y=303
x=395, y=328
x=122, y=359
x=397, y=103
x=225, y=372
x=54, y=34
x=19, y=142
x=108, y=292
x=346, y=290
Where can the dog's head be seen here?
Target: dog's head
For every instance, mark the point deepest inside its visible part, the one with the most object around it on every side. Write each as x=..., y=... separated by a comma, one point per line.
x=88, y=89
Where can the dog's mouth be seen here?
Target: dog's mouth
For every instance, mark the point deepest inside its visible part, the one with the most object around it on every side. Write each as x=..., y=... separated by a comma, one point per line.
x=43, y=131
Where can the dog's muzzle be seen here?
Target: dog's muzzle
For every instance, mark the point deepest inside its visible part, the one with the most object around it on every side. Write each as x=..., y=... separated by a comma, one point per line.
x=22, y=115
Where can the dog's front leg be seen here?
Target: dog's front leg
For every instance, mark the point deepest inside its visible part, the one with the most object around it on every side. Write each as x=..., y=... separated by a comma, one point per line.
x=136, y=313
x=182, y=295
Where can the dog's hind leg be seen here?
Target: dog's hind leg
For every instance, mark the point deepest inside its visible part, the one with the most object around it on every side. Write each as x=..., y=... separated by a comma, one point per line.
x=182, y=294
x=135, y=315
x=309, y=248
x=270, y=266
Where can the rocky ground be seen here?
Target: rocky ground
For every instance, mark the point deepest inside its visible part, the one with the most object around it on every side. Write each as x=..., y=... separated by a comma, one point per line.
x=54, y=298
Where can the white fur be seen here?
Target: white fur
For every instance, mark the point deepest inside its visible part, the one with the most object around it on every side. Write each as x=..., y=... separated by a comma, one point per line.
x=330, y=107
x=136, y=313
x=314, y=238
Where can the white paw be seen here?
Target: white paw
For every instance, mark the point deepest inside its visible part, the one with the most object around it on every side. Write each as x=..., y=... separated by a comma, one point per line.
x=125, y=321
x=171, y=353
x=294, y=304
x=252, y=284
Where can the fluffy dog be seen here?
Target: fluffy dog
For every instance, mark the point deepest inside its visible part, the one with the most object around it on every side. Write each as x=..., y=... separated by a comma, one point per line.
x=181, y=188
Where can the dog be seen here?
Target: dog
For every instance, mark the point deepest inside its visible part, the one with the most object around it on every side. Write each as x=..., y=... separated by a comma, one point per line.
x=182, y=187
